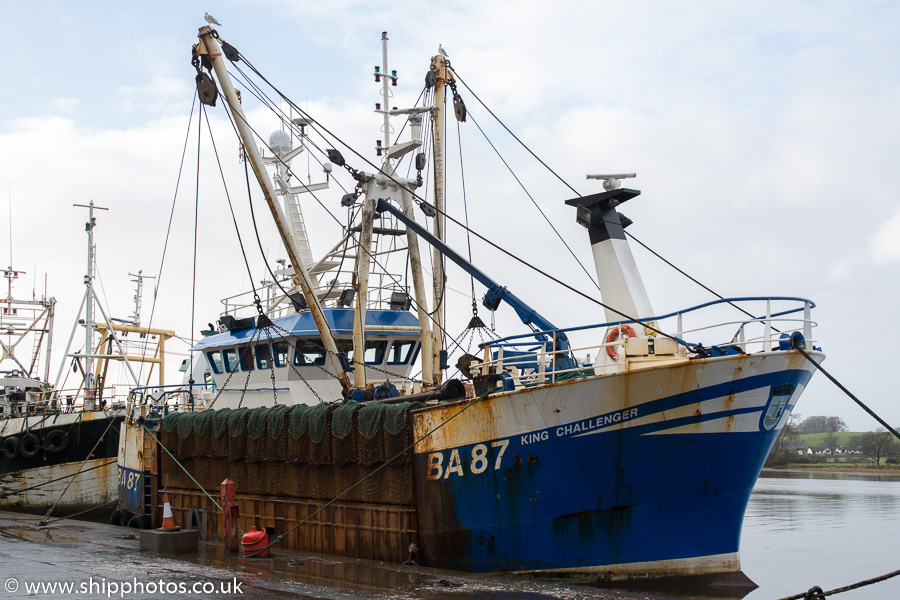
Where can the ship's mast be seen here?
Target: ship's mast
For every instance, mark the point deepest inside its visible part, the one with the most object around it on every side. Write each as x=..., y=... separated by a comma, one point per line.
x=210, y=47
x=89, y=305
x=388, y=184
x=440, y=68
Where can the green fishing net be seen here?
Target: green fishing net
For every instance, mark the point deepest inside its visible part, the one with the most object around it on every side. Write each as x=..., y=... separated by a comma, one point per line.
x=318, y=422
x=185, y=424
x=370, y=416
x=236, y=420
x=170, y=420
x=202, y=421
x=276, y=420
x=396, y=419
x=220, y=421
x=342, y=419
x=299, y=420
x=256, y=425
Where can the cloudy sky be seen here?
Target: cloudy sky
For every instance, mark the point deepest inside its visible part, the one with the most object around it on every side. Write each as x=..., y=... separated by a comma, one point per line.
x=765, y=138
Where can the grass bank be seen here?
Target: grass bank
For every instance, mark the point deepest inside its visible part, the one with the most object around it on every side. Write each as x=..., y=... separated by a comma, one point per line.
x=839, y=468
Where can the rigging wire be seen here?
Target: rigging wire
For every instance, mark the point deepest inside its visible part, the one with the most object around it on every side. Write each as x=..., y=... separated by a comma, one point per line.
x=230, y=206
x=374, y=259
x=420, y=199
x=564, y=182
x=536, y=205
x=462, y=173
x=196, y=225
x=643, y=322
x=169, y=227
x=708, y=289
x=264, y=99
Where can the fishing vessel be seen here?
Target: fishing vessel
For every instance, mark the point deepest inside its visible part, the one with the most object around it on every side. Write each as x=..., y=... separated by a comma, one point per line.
x=60, y=440
x=616, y=450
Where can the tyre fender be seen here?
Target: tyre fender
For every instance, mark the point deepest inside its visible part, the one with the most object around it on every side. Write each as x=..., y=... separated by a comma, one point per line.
x=56, y=441
x=11, y=447
x=29, y=446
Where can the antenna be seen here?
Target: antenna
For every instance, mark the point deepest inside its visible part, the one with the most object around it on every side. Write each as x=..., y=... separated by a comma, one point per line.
x=611, y=182
x=9, y=196
x=138, y=294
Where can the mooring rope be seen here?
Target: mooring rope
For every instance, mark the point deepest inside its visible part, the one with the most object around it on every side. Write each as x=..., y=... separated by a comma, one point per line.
x=183, y=468
x=844, y=389
x=78, y=514
x=86, y=458
x=816, y=593
x=385, y=464
x=49, y=481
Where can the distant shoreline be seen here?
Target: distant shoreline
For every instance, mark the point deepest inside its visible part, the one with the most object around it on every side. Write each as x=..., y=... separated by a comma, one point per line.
x=888, y=470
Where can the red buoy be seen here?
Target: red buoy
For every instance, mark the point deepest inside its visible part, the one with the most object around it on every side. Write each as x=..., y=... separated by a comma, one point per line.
x=253, y=541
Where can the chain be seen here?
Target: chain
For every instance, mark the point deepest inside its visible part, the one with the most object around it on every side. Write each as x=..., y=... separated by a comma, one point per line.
x=272, y=364
x=339, y=356
x=253, y=338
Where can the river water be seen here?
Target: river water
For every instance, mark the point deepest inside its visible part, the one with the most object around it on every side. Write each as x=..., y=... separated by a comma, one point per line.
x=827, y=529
x=801, y=530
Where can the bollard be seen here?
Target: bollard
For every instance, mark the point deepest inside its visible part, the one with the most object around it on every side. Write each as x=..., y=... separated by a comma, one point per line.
x=231, y=513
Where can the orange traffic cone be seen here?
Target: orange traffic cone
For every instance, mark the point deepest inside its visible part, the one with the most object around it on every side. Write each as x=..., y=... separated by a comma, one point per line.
x=168, y=523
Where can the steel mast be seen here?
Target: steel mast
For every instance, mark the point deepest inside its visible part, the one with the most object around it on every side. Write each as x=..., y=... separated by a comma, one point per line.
x=209, y=46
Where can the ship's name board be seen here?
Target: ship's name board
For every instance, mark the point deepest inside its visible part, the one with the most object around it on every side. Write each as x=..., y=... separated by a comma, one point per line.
x=481, y=457
x=586, y=425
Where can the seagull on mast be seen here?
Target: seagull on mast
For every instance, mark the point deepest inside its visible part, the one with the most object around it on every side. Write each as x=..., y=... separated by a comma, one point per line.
x=441, y=50
x=211, y=19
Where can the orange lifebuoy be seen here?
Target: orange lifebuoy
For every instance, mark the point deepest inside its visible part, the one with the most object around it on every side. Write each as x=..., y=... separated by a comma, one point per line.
x=613, y=335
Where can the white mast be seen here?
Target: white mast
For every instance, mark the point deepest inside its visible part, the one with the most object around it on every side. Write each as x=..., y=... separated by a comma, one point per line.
x=387, y=184
x=89, y=305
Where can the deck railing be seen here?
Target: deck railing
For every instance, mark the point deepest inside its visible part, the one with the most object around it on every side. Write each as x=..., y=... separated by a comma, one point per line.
x=533, y=358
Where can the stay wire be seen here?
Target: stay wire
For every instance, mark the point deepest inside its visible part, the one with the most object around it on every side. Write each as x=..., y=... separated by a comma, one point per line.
x=416, y=196
x=264, y=99
x=816, y=593
x=49, y=481
x=171, y=219
x=564, y=182
x=313, y=122
x=496, y=118
x=230, y=206
x=682, y=272
x=196, y=227
x=259, y=137
x=534, y=202
x=462, y=173
x=419, y=198
x=374, y=259
x=80, y=467
x=844, y=389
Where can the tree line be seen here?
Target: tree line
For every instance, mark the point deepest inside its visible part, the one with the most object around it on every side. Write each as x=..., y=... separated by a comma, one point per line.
x=875, y=445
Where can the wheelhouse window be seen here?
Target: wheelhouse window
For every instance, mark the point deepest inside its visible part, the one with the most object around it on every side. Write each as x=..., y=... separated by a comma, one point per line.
x=246, y=358
x=263, y=356
x=400, y=352
x=215, y=361
x=308, y=352
x=374, y=351
x=231, y=360
x=280, y=354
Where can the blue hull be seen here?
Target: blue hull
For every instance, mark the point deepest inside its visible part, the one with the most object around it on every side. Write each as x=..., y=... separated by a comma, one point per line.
x=626, y=486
